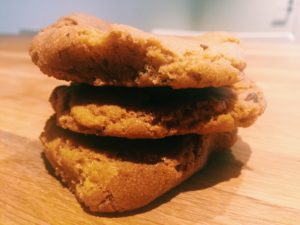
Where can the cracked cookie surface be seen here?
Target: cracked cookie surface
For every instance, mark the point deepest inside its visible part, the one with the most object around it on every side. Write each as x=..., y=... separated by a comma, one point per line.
x=85, y=49
x=156, y=112
x=114, y=174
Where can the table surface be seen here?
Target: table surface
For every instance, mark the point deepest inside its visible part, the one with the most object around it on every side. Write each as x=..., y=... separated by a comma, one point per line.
x=258, y=182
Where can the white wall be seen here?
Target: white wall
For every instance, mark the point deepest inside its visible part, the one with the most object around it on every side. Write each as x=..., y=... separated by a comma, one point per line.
x=230, y=15
x=16, y=15
x=243, y=15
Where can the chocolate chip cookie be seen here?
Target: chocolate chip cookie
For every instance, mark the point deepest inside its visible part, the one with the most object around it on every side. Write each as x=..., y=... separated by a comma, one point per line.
x=85, y=49
x=156, y=112
x=114, y=174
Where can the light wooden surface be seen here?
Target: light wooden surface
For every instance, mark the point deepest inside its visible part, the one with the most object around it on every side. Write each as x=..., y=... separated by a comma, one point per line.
x=257, y=183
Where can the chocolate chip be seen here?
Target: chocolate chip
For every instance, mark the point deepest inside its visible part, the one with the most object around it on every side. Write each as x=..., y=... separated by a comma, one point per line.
x=70, y=22
x=204, y=46
x=252, y=97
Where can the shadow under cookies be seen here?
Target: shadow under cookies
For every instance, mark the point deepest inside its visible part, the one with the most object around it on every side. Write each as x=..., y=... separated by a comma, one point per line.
x=221, y=167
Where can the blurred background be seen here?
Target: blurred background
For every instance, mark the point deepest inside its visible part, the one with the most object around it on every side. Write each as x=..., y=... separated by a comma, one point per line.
x=268, y=20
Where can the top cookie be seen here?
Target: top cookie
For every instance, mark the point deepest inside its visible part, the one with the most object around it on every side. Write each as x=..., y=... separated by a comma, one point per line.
x=85, y=49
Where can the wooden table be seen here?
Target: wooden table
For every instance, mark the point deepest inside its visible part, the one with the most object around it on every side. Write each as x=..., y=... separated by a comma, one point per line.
x=257, y=183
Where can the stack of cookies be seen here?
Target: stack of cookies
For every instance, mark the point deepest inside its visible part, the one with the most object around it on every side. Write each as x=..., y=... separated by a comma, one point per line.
x=143, y=112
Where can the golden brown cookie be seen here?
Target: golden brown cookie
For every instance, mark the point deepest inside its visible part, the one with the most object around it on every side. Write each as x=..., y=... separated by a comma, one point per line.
x=156, y=112
x=114, y=174
x=85, y=49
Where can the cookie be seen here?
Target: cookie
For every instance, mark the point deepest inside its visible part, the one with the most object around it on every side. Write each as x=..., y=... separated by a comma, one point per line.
x=113, y=174
x=85, y=49
x=156, y=112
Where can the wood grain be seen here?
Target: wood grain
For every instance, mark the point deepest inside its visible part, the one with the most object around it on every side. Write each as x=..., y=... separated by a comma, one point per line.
x=258, y=182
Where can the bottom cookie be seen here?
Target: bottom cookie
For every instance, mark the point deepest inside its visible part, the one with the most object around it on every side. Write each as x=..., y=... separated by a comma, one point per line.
x=115, y=174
